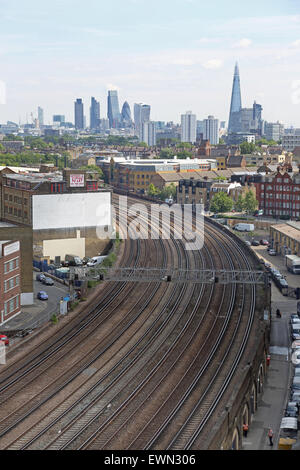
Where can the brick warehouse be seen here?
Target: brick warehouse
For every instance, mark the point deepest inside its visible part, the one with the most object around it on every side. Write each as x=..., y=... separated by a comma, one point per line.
x=278, y=194
x=10, y=280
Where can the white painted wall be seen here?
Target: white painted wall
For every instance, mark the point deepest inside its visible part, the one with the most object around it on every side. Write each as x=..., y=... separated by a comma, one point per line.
x=65, y=246
x=53, y=211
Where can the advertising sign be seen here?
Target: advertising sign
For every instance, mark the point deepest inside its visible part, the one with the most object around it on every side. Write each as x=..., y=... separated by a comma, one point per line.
x=12, y=248
x=76, y=181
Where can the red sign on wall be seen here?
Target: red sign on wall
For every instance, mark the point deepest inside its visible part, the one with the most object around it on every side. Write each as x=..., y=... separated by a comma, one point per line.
x=76, y=181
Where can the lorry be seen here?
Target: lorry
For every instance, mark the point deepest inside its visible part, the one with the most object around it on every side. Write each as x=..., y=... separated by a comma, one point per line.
x=244, y=227
x=293, y=263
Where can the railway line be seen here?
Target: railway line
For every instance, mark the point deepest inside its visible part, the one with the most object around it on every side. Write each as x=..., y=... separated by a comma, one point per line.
x=147, y=366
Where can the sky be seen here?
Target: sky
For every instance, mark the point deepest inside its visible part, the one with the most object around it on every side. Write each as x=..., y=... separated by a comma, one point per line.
x=176, y=55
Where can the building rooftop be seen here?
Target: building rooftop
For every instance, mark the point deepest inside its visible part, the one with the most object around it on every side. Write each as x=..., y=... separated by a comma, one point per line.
x=290, y=229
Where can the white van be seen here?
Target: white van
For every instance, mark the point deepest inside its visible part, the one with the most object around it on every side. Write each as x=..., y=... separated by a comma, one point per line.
x=244, y=227
x=95, y=261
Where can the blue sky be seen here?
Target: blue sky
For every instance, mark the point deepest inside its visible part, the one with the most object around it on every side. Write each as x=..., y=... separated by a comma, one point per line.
x=175, y=55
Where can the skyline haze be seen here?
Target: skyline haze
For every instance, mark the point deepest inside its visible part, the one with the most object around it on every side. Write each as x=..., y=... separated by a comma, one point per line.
x=175, y=56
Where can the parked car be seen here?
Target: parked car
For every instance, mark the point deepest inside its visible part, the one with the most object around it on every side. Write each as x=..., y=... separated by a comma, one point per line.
x=258, y=212
x=272, y=252
x=42, y=295
x=248, y=243
x=244, y=227
x=283, y=283
x=48, y=281
x=294, y=316
x=296, y=383
x=4, y=339
x=40, y=277
x=264, y=242
x=292, y=409
x=289, y=428
x=95, y=261
x=295, y=332
x=255, y=243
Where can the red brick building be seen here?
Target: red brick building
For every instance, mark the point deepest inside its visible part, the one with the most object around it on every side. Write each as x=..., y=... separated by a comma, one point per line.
x=278, y=194
x=10, y=281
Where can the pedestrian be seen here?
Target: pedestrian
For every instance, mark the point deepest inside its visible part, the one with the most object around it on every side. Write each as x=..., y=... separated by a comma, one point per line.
x=270, y=436
x=245, y=429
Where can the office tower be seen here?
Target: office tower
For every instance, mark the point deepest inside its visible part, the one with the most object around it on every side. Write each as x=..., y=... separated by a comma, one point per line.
x=148, y=133
x=40, y=116
x=274, y=131
x=188, y=127
x=126, y=115
x=113, y=110
x=211, y=130
x=141, y=115
x=234, y=124
x=79, y=115
x=257, y=116
x=94, y=114
x=58, y=119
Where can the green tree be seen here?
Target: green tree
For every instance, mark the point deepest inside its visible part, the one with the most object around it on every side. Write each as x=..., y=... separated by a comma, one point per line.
x=221, y=202
x=167, y=153
x=247, y=147
x=152, y=190
x=239, y=205
x=93, y=168
x=250, y=202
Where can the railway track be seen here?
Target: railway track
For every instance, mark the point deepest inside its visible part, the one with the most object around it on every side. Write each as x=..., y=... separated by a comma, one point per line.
x=138, y=387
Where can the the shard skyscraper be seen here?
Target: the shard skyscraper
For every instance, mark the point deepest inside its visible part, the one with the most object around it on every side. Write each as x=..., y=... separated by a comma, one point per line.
x=234, y=124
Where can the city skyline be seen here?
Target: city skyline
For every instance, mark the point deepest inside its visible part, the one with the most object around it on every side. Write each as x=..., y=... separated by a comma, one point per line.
x=180, y=57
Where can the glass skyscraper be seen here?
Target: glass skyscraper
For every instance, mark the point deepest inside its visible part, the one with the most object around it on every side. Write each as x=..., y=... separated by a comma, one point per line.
x=234, y=124
x=94, y=114
x=113, y=110
x=79, y=115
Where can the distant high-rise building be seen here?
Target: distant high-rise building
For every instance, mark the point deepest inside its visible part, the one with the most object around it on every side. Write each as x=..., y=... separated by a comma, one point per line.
x=211, y=130
x=234, y=124
x=188, y=127
x=141, y=115
x=273, y=131
x=79, y=114
x=126, y=115
x=257, y=116
x=58, y=119
x=148, y=133
x=41, y=116
x=94, y=114
x=113, y=110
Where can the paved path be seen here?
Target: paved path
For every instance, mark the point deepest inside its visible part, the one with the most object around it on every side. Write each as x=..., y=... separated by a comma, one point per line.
x=275, y=394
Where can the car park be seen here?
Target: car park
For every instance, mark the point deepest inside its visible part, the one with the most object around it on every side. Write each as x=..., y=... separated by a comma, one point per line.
x=42, y=295
x=292, y=409
x=48, y=281
x=4, y=339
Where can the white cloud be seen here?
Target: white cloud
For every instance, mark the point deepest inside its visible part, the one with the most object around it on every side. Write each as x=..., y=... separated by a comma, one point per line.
x=296, y=43
x=243, y=43
x=213, y=64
